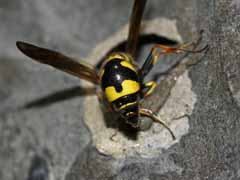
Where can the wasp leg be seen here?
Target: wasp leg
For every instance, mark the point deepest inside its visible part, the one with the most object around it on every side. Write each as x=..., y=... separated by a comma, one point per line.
x=148, y=88
x=150, y=114
x=155, y=53
x=180, y=49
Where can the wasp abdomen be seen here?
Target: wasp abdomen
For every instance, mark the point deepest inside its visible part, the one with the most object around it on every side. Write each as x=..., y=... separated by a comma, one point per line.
x=121, y=86
x=119, y=78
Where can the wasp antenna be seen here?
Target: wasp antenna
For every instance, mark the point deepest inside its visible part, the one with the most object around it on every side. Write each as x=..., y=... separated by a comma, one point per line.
x=149, y=113
x=195, y=51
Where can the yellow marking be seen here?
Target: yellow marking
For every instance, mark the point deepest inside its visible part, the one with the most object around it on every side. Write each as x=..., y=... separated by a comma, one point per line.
x=119, y=56
x=128, y=87
x=155, y=55
x=101, y=73
x=128, y=104
x=128, y=65
x=112, y=56
x=127, y=57
x=151, y=86
x=130, y=113
x=155, y=59
x=109, y=58
x=115, y=56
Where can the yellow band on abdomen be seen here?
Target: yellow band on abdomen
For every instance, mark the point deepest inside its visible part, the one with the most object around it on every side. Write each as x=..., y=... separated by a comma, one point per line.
x=128, y=87
x=128, y=104
x=128, y=65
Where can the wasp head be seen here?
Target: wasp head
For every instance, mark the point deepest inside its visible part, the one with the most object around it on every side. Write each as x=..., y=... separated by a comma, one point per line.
x=131, y=115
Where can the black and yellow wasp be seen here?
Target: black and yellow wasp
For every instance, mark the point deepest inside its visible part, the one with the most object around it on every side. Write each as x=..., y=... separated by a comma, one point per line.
x=120, y=78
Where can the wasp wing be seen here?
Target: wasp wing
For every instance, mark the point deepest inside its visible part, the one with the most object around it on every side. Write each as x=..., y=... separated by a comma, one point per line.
x=59, y=61
x=134, y=27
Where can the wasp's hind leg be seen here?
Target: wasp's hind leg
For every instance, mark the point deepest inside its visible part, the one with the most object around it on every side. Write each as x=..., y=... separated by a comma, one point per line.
x=159, y=49
x=150, y=114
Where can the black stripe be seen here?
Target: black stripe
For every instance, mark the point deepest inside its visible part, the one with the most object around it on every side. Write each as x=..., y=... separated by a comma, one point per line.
x=115, y=74
x=125, y=100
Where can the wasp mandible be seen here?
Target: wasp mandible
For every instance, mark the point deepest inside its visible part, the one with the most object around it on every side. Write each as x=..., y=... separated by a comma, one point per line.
x=120, y=78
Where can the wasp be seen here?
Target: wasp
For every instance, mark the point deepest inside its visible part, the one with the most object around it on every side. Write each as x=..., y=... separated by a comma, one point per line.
x=120, y=79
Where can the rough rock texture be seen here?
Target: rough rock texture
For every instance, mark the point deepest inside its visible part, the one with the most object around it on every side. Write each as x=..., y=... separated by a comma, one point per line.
x=42, y=128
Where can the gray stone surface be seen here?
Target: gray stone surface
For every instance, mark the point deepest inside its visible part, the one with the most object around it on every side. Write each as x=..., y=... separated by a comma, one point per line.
x=55, y=130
